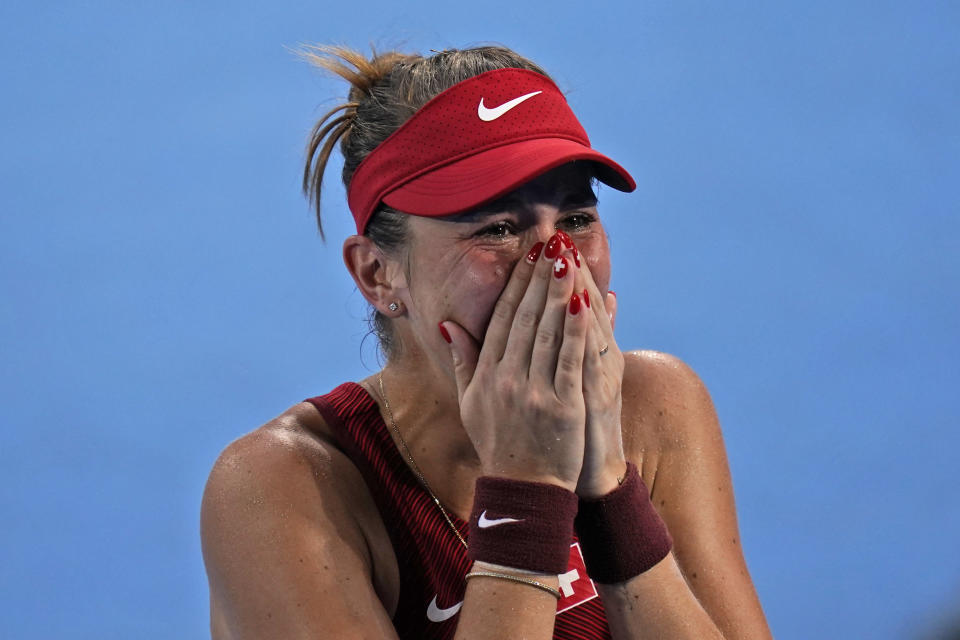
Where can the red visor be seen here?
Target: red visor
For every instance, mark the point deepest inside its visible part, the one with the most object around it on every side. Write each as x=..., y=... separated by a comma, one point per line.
x=475, y=142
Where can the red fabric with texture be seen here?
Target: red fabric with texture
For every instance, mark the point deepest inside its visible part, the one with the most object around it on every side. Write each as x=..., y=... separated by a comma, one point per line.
x=431, y=560
x=621, y=534
x=539, y=527
x=445, y=159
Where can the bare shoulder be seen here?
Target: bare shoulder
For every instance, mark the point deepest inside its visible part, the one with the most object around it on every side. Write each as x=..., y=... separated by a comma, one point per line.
x=294, y=449
x=666, y=407
x=660, y=375
x=671, y=430
x=292, y=541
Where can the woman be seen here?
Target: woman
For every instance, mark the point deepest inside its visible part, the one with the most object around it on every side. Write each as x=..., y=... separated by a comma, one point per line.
x=492, y=481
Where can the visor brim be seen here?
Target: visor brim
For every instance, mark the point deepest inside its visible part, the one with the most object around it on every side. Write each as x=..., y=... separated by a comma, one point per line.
x=470, y=182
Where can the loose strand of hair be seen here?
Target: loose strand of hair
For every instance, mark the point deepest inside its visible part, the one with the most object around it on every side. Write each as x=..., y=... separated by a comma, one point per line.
x=317, y=161
x=366, y=72
x=364, y=75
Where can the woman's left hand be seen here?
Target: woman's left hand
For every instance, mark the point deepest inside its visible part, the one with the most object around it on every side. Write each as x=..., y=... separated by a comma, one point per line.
x=604, y=463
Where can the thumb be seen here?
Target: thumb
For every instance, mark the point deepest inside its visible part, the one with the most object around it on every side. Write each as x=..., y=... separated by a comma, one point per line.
x=465, y=353
x=610, y=304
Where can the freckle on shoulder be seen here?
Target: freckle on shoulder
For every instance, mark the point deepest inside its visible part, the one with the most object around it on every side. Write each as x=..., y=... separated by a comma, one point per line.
x=660, y=374
x=663, y=397
x=656, y=375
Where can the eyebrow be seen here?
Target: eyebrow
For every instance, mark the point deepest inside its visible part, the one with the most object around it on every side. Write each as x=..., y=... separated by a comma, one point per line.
x=584, y=197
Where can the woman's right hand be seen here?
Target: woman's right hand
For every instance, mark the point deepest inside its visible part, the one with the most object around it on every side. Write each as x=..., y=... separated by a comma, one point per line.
x=521, y=393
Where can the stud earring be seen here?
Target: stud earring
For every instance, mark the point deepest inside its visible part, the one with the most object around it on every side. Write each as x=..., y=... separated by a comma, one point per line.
x=393, y=306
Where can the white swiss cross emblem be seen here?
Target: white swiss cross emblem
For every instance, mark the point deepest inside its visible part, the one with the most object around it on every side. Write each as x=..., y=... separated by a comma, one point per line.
x=575, y=586
x=575, y=589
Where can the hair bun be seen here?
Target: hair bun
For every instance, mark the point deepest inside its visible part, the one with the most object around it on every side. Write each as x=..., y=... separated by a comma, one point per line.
x=386, y=89
x=365, y=73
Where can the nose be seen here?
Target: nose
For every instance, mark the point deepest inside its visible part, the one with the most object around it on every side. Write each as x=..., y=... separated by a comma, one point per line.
x=543, y=231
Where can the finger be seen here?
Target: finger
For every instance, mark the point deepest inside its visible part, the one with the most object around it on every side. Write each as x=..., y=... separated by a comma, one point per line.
x=594, y=330
x=603, y=319
x=592, y=367
x=602, y=324
x=549, y=333
x=528, y=316
x=610, y=306
x=465, y=353
x=568, y=379
x=495, y=339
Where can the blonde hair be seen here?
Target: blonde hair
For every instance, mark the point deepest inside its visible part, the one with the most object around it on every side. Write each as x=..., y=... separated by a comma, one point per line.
x=385, y=90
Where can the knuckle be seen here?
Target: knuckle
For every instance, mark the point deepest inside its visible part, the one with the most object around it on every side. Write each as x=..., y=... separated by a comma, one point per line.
x=560, y=291
x=526, y=319
x=548, y=337
x=504, y=387
x=569, y=362
x=503, y=310
x=536, y=403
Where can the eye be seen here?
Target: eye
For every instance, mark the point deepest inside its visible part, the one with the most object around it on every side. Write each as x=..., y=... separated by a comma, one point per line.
x=500, y=229
x=578, y=221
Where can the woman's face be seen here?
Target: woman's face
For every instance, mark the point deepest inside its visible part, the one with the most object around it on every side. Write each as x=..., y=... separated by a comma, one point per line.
x=459, y=265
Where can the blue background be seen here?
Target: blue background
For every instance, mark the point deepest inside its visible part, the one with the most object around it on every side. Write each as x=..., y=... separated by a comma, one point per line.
x=794, y=238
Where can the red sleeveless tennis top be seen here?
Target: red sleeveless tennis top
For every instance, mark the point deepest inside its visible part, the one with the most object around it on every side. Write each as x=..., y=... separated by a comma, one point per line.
x=431, y=559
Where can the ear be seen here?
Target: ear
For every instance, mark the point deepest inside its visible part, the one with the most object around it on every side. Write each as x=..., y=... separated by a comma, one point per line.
x=379, y=279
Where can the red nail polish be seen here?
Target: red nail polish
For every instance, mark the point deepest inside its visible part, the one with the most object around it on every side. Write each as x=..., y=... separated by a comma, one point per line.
x=574, y=304
x=444, y=333
x=565, y=239
x=534, y=252
x=560, y=267
x=554, y=244
x=614, y=295
x=576, y=256
x=586, y=298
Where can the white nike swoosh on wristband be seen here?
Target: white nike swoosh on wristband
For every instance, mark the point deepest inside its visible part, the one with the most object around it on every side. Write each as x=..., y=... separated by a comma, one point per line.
x=487, y=114
x=436, y=614
x=483, y=522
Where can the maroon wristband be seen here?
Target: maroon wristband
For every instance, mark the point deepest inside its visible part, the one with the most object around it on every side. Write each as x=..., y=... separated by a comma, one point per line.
x=621, y=534
x=525, y=525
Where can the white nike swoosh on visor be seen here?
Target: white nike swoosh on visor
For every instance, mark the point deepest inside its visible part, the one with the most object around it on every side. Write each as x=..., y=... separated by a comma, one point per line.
x=483, y=522
x=436, y=614
x=486, y=114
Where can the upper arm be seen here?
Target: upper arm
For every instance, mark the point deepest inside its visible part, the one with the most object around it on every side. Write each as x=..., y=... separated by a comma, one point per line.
x=286, y=556
x=676, y=434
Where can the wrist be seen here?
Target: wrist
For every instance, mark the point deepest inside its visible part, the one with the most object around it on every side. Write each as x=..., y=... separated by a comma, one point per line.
x=621, y=534
x=480, y=565
x=608, y=480
x=526, y=475
x=522, y=525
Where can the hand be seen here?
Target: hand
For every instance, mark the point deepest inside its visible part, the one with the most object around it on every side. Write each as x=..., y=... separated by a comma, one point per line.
x=604, y=462
x=521, y=394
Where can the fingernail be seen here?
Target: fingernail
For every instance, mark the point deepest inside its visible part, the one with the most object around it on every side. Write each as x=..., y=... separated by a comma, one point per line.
x=534, y=252
x=554, y=244
x=567, y=240
x=444, y=333
x=614, y=295
x=576, y=256
x=559, y=267
x=586, y=298
x=574, y=304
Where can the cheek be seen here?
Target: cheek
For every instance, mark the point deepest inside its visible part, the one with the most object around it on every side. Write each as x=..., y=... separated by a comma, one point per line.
x=597, y=255
x=474, y=287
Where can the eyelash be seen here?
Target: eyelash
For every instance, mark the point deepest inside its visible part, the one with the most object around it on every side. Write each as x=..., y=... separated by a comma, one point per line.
x=580, y=220
x=577, y=221
x=496, y=229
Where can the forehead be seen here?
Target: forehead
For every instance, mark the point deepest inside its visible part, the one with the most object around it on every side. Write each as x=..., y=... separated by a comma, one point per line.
x=570, y=184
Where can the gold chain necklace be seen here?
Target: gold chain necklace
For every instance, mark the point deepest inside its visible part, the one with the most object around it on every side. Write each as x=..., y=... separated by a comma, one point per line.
x=413, y=464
